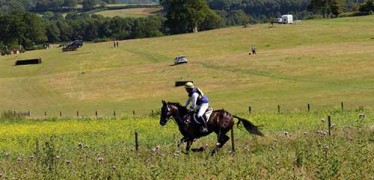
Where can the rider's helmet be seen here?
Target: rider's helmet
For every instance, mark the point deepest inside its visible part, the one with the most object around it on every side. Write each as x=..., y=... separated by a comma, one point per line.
x=189, y=85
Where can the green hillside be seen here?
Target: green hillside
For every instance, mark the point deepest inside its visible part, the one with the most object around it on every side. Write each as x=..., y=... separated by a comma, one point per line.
x=322, y=62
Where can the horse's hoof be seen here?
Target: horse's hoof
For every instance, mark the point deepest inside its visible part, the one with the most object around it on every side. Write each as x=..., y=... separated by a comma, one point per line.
x=213, y=152
x=198, y=149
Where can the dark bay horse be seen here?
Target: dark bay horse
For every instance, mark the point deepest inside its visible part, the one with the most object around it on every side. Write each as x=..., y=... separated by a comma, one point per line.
x=220, y=122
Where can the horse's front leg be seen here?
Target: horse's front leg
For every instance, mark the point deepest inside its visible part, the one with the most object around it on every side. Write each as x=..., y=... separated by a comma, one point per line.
x=188, y=145
x=181, y=141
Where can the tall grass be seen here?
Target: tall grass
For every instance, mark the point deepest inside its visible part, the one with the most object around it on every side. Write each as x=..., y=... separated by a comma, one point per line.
x=296, y=145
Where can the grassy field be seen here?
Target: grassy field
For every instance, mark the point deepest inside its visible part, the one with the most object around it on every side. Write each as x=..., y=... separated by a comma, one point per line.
x=321, y=62
x=131, y=12
x=295, y=146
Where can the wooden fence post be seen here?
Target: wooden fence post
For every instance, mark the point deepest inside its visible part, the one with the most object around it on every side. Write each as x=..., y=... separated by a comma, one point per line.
x=60, y=114
x=342, y=105
x=308, y=107
x=136, y=141
x=45, y=113
x=114, y=113
x=77, y=113
x=279, y=109
x=329, y=124
x=133, y=114
x=249, y=109
x=96, y=113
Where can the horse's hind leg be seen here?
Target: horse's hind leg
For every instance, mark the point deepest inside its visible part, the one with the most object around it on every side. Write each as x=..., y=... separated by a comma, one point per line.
x=222, y=139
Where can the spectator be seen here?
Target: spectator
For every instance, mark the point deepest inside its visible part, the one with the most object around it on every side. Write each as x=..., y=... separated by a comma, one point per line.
x=254, y=49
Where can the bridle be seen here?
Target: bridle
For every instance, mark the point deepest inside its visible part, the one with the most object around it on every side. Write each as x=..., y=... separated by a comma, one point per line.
x=167, y=113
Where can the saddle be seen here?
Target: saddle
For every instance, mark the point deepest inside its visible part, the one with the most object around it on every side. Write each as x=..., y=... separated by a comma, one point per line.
x=193, y=116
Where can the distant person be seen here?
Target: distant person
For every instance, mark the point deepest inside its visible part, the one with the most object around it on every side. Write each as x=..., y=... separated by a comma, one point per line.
x=199, y=104
x=117, y=43
x=253, y=49
x=114, y=43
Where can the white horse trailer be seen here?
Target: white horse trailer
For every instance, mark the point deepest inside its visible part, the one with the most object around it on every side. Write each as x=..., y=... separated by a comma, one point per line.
x=287, y=19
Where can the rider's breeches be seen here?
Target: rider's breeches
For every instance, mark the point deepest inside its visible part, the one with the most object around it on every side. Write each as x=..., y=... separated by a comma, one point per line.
x=202, y=109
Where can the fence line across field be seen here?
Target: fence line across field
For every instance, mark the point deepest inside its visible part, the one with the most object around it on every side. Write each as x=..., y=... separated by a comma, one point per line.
x=137, y=135
x=137, y=144
x=115, y=113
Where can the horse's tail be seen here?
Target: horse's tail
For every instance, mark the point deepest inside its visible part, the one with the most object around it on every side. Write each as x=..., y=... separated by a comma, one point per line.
x=251, y=128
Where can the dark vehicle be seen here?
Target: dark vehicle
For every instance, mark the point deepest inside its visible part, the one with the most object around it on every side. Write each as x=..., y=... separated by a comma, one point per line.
x=70, y=47
x=77, y=43
x=73, y=46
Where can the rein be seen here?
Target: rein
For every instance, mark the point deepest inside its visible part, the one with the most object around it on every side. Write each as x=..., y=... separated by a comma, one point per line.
x=176, y=114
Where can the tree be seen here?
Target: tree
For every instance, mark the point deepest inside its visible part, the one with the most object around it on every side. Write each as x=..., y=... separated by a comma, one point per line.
x=22, y=28
x=220, y=4
x=70, y=4
x=56, y=5
x=53, y=32
x=327, y=7
x=34, y=30
x=337, y=7
x=212, y=21
x=9, y=6
x=185, y=15
x=66, y=31
x=42, y=5
x=89, y=4
x=147, y=27
x=367, y=6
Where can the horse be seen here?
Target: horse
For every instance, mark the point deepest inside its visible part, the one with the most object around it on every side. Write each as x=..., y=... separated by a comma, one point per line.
x=220, y=122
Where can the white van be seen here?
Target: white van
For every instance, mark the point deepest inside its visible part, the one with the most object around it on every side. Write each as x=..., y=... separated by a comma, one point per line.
x=287, y=19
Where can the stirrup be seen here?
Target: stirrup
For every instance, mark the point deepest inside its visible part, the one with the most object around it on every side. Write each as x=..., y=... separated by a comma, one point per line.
x=203, y=129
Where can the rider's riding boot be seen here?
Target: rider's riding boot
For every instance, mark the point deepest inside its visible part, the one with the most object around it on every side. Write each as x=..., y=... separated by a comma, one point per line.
x=204, y=127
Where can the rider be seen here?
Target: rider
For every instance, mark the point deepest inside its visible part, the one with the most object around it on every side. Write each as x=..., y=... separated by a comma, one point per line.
x=199, y=103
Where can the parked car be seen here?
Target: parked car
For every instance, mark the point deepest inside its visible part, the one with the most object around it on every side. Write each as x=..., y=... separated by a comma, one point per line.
x=180, y=60
x=70, y=47
x=77, y=43
x=73, y=46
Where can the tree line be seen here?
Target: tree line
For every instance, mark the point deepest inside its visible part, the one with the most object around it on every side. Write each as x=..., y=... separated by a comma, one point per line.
x=21, y=27
x=7, y=6
x=28, y=29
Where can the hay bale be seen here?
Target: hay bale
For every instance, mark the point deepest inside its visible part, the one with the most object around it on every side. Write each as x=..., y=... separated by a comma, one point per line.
x=28, y=61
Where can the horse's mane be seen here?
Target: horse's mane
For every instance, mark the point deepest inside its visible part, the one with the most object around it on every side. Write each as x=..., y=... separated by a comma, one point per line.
x=181, y=108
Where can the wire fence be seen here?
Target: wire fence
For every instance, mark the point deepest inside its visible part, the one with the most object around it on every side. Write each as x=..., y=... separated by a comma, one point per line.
x=10, y=114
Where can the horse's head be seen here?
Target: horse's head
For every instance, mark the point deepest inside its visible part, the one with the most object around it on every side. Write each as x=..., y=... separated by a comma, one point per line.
x=165, y=113
x=171, y=109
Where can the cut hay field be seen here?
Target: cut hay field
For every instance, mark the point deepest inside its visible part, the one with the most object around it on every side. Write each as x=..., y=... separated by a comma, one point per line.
x=321, y=62
x=131, y=12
